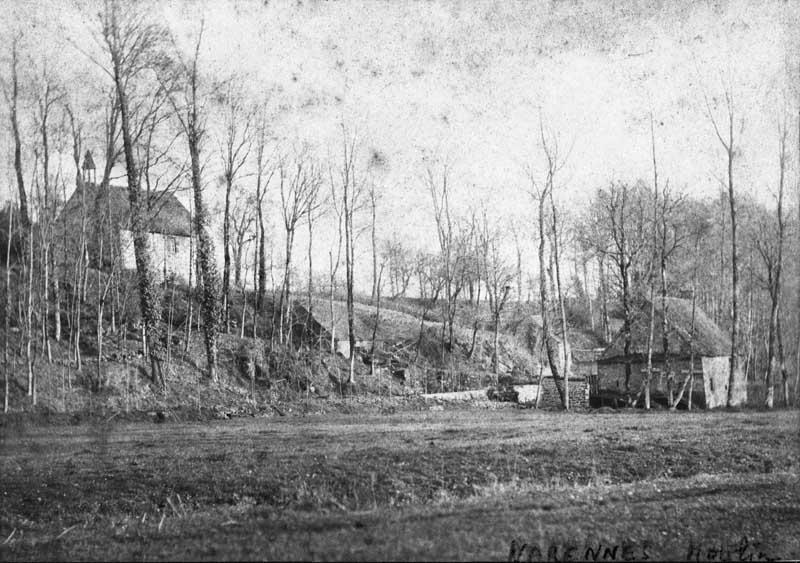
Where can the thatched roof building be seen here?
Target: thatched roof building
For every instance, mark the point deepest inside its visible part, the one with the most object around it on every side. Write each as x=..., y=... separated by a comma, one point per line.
x=103, y=214
x=619, y=373
x=709, y=340
x=166, y=215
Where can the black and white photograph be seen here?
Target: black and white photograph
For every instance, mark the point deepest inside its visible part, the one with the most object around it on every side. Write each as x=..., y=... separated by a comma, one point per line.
x=451, y=280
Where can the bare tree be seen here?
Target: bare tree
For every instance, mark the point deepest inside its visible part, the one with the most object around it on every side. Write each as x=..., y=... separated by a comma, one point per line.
x=7, y=309
x=234, y=150
x=81, y=263
x=770, y=243
x=28, y=276
x=601, y=267
x=554, y=162
x=48, y=94
x=515, y=231
x=731, y=148
x=377, y=165
x=430, y=282
x=336, y=205
x=12, y=95
x=556, y=258
x=649, y=376
x=452, y=246
x=189, y=112
x=135, y=48
x=316, y=207
x=498, y=275
x=373, y=206
x=539, y=195
x=264, y=173
x=399, y=262
x=300, y=180
x=350, y=188
x=797, y=341
x=377, y=321
x=698, y=230
x=242, y=217
x=475, y=269
x=616, y=229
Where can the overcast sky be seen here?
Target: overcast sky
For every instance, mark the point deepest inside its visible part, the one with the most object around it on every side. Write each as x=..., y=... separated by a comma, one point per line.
x=467, y=82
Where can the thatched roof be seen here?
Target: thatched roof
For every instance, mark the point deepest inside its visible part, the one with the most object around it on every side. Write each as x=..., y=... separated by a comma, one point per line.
x=167, y=215
x=709, y=339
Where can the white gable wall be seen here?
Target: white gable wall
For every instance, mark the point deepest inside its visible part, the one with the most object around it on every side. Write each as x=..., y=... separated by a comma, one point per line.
x=716, y=375
x=169, y=254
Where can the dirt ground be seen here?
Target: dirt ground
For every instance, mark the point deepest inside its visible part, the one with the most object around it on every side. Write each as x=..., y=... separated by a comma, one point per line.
x=454, y=484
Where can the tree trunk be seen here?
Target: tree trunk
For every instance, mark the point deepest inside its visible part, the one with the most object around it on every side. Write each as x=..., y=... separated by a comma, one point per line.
x=519, y=270
x=649, y=375
x=546, y=336
x=589, y=300
x=604, y=299
x=626, y=323
x=377, y=322
x=495, y=359
x=46, y=223
x=477, y=319
x=374, y=246
x=191, y=294
x=29, y=322
x=567, y=365
x=57, y=297
x=7, y=310
x=309, y=309
x=782, y=366
x=667, y=371
x=690, y=377
x=24, y=219
x=262, y=256
x=237, y=260
x=330, y=301
x=734, y=361
x=285, y=313
x=208, y=281
x=99, y=324
x=797, y=341
x=774, y=278
x=348, y=231
x=226, y=242
x=771, y=345
x=149, y=298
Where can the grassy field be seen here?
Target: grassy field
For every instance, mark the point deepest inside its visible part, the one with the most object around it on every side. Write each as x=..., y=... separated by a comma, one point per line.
x=452, y=484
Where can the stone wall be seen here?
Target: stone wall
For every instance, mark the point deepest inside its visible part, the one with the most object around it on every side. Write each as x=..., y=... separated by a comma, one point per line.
x=578, y=393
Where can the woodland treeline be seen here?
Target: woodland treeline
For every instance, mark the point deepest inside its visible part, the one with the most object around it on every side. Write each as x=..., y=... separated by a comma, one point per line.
x=172, y=125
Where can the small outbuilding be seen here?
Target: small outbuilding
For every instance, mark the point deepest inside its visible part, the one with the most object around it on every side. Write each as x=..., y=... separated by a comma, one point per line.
x=686, y=337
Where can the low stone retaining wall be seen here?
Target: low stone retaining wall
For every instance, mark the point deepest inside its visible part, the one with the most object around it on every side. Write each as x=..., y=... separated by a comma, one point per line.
x=471, y=395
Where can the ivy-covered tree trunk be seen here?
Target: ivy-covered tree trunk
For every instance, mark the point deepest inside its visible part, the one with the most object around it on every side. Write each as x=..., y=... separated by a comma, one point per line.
x=207, y=274
x=226, y=242
x=205, y=258
x=261, y=286
x=149, y=297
